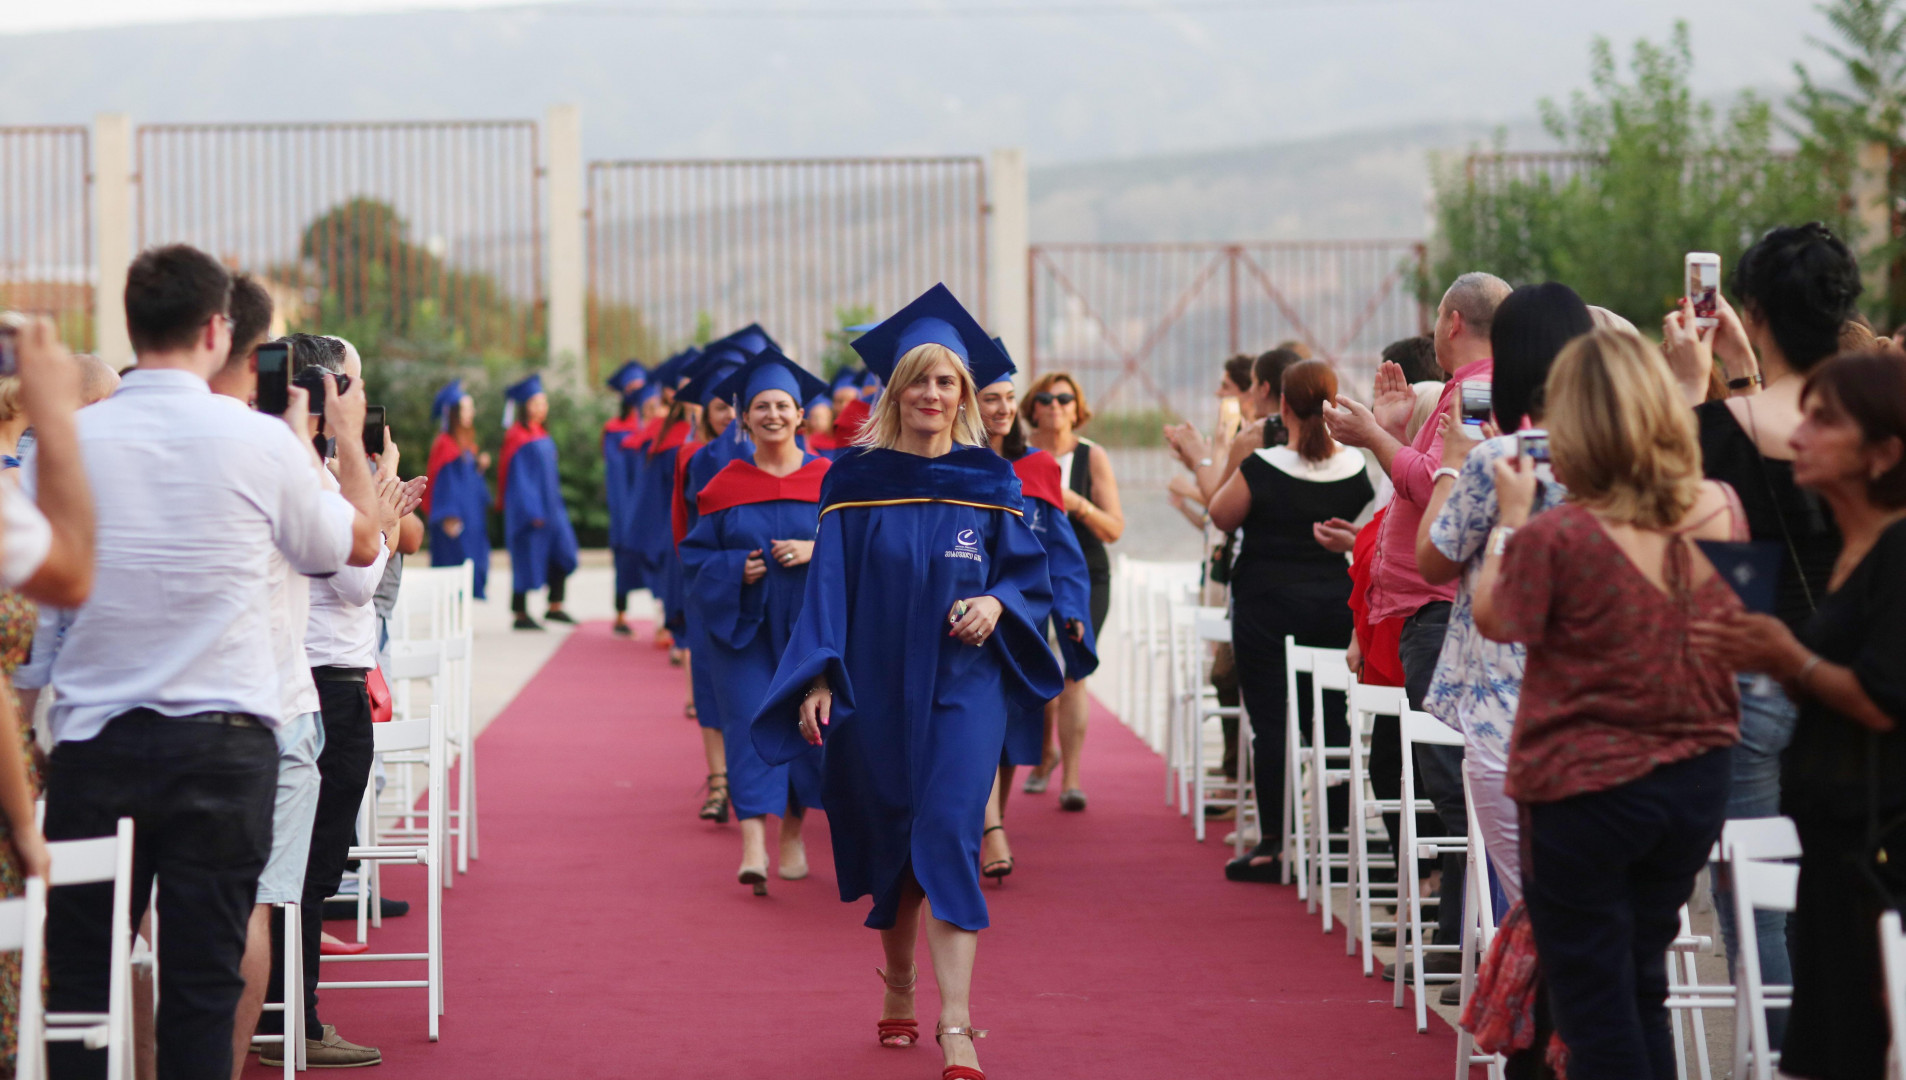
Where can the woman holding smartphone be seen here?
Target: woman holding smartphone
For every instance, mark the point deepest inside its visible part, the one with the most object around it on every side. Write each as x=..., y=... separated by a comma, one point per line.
x=1623, y=731
x=922, y=623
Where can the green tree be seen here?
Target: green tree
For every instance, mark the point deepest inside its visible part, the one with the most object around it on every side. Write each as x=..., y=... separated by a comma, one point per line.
x=1649, y=173
x=1852, y=132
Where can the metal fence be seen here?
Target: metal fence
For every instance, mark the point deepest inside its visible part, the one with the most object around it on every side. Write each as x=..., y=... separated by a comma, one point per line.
x=1145, y=326
x=46, y=243
x=425, y=233
x=680, y=247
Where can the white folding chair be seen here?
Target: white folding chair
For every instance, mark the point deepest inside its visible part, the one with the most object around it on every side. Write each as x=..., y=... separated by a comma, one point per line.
x=1366, y=704
x=1691, y=1000
x=1330, y=767
x=91, y=862
x=1750, y=850
x=1420, y=729
x=1893, y=960
x=23, y=930
x=1479, y=929
x=292, y=1001
x=1297, y=659
x=405, y=736
x=397, y=819
x=1210, y=626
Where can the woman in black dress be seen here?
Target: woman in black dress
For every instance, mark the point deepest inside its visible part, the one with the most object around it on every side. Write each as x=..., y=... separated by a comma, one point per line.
x=1844, y=775
x=1285, y=582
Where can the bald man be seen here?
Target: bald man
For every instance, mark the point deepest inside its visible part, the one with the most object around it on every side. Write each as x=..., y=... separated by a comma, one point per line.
x=97, y=379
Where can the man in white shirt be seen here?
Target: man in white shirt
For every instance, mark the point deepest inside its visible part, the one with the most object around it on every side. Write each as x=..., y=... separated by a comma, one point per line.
x=167, y=691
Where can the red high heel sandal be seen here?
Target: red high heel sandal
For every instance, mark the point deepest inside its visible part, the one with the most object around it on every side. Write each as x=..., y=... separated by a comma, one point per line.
x=961, y=1072
x=899, y=1034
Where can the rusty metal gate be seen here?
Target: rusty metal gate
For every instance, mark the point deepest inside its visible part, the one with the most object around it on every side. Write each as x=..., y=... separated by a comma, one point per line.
x=46, y=215
x=1146, y=326
x=678, y=248
x=420, y=237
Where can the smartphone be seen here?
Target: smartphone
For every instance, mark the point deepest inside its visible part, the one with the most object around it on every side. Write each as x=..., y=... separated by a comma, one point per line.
x=10, y=326
x=1703, y=271
x=1230, y=417
x=1533, y=445
x=1476, y=404
x=374, y=429
x=274, y=377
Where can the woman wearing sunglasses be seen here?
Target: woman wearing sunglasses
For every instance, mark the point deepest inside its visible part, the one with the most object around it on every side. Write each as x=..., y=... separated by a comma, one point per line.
x=1055, y=410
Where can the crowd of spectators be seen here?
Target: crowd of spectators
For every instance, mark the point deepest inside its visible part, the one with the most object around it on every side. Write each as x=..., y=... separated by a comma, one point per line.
x=1548, y=580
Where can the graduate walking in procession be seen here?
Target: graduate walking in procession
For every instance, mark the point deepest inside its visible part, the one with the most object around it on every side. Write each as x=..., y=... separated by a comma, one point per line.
x=926, y=599
x=1044, y=490
x=746, y=560
x=535, y=521
x=619, y=470
x=648, y=535
x=711, y=446
x=456, y=500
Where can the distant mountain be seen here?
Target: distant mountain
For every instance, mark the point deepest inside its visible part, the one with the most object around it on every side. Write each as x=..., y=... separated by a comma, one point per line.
x=1362, y=185
x=1066, y=88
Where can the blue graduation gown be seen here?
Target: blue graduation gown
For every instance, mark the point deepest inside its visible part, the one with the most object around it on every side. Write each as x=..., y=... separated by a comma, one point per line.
x=919, y=718
x=621, y=468
x=655, y=530
x=743, y=630
x=1071, y=602
x=707, y=460
x=458, y=491
x=533, y=491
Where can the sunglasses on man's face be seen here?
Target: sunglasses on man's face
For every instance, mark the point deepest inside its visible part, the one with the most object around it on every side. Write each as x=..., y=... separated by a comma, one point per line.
x=1047, y=399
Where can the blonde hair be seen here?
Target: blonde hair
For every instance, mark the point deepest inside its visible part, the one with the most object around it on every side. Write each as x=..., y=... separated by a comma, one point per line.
x=9, y=397
x=882, y=430
x=1621, y=438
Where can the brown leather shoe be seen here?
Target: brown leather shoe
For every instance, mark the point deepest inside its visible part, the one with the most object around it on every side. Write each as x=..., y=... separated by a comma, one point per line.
x=330, y=1052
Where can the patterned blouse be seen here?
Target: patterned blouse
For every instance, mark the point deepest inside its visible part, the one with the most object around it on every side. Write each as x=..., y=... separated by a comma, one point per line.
x=1614, y=688
x=1477, y=680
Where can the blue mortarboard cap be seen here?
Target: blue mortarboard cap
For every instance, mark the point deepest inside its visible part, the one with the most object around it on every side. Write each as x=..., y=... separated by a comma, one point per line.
x=446, y=401
x=669, y=371
x=700, y=389
x=521, y=392
x=868, y=381
x=1011, y=368
x=750, y=339
x=846, y=377
x=628, y=377
x=817, y=400
x=769, y=370
x=859, y=328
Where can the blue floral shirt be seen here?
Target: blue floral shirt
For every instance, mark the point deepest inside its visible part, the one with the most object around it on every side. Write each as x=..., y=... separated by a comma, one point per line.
x=1478, y=681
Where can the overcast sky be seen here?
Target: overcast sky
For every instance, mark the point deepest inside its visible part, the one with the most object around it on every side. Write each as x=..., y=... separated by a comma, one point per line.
x=29, y=16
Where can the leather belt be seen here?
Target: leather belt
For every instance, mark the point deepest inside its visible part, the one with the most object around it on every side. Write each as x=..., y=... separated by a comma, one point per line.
x=339, y=674
x=228, y=719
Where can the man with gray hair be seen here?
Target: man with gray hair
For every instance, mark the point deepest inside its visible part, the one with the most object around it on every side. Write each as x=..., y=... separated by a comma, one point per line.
x=1397, y=588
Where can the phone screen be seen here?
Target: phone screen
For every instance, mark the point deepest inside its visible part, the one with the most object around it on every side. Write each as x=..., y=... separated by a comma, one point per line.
x=274, y=378
x=1476, y=402
x=374, y=429
x=1704, y=286
x=1534, y=445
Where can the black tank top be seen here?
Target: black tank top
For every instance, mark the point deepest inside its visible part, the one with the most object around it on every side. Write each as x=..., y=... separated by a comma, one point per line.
x=1097, y=559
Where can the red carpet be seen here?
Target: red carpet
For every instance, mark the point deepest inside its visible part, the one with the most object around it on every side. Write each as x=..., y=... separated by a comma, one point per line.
x=603, y=934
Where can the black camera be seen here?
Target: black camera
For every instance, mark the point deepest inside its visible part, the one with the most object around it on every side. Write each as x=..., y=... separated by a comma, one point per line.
x=312, y=379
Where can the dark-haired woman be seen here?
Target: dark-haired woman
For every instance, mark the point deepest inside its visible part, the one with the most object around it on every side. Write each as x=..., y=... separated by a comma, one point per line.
x=1286, y=583
x=1040, y=482
x=1845, y=773
x=1055, y=408
x=1797, y=288
x=746, y=562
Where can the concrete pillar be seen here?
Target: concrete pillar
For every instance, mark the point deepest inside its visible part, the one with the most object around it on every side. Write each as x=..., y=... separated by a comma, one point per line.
x=113, y=232
x=565, y=278
x=1873, y=215
x=1008, y=296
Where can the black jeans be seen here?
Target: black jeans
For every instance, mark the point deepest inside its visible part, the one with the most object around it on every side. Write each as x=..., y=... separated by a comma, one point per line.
x=200, y=797
x=558, y=582
x=1439, y=768
x=1605, y=877
x=1317, y=614
x=344, y=769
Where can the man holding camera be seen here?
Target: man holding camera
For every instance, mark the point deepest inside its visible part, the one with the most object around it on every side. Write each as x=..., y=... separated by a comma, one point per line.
x=168, y=692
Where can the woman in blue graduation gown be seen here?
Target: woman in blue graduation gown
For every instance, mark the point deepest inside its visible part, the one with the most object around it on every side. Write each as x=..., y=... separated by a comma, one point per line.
x=457, y=501
x=618, y=482
x=535, y=521
x=746, y=559
x=707, y=453
x=920, y=625
x=1040, y=483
